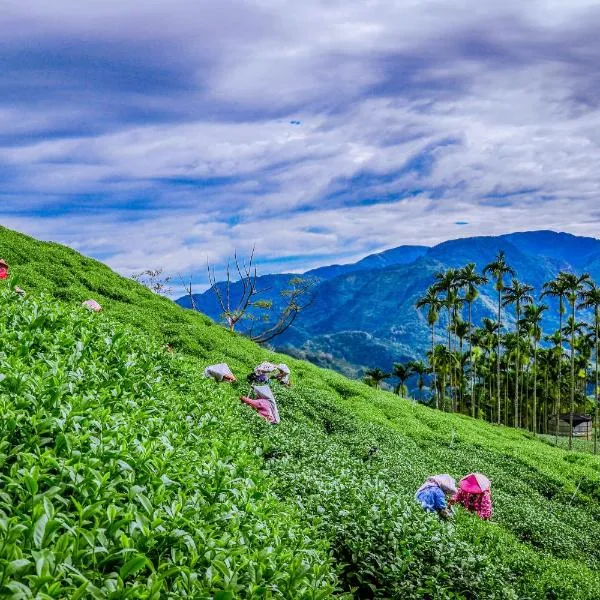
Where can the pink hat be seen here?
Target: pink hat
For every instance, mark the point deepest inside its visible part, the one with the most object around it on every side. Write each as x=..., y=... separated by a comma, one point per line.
x=91, y=305
x=474, y=483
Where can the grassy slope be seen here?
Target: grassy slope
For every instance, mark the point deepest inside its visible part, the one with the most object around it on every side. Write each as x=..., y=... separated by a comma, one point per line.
x=541, y=545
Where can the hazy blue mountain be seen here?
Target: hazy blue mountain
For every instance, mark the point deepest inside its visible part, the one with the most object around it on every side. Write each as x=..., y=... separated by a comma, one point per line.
x=366, y=317
x=592, y=266
x=395, y=256
x=563, y=247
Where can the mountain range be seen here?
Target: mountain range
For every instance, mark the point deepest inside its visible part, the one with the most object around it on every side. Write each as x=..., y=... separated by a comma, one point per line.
x=363, y=314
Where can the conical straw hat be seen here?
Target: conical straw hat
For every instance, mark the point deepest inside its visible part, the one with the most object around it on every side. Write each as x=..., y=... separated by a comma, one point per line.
x=474, y=483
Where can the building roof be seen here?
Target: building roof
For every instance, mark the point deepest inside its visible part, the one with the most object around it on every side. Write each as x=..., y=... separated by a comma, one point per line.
x=578, y=418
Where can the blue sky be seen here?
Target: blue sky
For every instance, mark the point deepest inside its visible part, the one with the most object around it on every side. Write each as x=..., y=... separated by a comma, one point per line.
x=165, y=134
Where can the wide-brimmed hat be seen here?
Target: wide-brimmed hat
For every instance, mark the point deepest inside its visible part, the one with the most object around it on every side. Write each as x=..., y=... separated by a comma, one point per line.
x=474, y=483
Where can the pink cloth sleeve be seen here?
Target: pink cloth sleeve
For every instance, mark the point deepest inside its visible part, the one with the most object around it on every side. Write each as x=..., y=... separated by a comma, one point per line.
x=486, y=510
x=262, y=407
x=457, y=498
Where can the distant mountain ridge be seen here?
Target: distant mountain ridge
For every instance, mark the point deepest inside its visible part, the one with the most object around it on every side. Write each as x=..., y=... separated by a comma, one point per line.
x=364, y=315
x=395, y=256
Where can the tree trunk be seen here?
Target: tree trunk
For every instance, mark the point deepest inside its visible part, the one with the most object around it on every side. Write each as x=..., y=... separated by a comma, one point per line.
x=535, y=387
x=517, y=367
x=498, y=354
x=437, y=398
x=471, y=360
x=558, y=398
x=491, y=396
x=460, y=378
x=572, y=399
x=595, y=424
x=547, y=400
x=506, y=394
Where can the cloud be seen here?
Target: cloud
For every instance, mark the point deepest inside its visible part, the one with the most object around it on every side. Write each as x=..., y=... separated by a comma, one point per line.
x=154, y=134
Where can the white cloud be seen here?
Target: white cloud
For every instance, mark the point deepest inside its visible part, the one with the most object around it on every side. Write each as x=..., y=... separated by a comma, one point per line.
x=413, y=116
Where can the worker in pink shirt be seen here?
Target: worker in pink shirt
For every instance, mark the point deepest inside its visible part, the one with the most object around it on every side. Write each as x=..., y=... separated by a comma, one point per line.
x=474, y=494
x=3, y=269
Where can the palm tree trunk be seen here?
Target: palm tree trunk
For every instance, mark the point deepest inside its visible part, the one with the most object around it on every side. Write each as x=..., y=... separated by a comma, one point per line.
x=572, y=399
x=435, y=387
x=535, y=387
x=491, y=396
x=498, y=354
x=517, y=367
x=444, y=391
x=545, y=426
x=506, y=394
x=595, y=424
x=558, y=398
x=471, y=360
x=460, y=379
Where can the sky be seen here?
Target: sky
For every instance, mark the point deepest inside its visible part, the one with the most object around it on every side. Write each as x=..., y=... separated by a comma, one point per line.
x=165, y=134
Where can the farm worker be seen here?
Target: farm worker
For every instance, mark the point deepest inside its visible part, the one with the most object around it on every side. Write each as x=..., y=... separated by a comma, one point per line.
x=474, y=494
x=283, y=374
x=92, y=306
x=220, y=372
x=264, y=403
x=262, y=373
x=262, y=406
x=3, y=269
x=432, y=494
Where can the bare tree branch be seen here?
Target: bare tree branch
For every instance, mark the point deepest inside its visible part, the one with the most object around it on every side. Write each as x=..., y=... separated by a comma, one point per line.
x=297, y=298
x=154, y=280
x=188, y=290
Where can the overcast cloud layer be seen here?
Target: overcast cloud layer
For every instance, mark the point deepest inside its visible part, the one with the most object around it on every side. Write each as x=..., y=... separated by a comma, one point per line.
x=160, y=134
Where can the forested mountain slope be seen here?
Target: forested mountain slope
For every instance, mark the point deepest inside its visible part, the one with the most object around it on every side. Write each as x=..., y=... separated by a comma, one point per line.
x=366, y=317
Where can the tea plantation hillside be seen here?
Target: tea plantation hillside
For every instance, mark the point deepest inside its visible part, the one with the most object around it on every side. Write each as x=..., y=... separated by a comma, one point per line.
x=125, y=474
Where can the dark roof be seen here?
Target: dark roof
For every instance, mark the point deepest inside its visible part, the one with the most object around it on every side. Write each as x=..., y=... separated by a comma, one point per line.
x=578, y=418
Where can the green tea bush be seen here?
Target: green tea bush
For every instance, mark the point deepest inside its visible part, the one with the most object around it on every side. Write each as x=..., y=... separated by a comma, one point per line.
x=124, y=476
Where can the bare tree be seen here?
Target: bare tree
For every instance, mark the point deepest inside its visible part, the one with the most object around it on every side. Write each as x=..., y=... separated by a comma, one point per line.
x=187, y=286
x=251, y=304
x=154, y=280
x=297, y=297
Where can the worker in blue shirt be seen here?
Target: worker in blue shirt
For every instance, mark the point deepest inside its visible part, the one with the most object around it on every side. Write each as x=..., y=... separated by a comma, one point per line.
x=432, y=494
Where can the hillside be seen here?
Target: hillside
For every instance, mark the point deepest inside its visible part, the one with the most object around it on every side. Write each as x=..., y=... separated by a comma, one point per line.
x=126, y=474
x=364, y=315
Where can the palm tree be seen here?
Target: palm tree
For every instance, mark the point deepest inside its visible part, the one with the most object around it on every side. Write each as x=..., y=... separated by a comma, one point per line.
x=419, y=368
x=402, y=372
x=374, y=377
x=545, y=362
x=557, y=289
x=532, y=320
x=489, y=340
x=447, y=282
x=432, y=301
x=584, y=348
x=574, y=285
x=499, y=269
x=591, y=299
x=557, y=340
x=443, y=361
x=518, y=294
x=461, y=331
x=469, y=280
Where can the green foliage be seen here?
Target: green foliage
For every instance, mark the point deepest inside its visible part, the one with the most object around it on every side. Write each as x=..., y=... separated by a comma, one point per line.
x=127, y=475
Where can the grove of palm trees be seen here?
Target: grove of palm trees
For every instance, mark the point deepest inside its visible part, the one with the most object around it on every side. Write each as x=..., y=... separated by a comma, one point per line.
x=506, y=369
